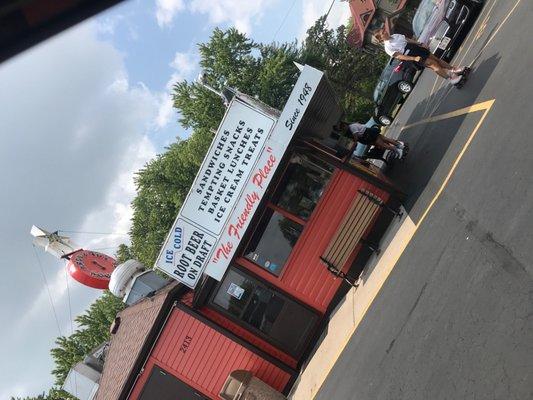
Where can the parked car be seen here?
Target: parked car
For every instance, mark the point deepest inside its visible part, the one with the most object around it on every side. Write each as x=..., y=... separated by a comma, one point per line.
x=394, y=84
x=442, y=25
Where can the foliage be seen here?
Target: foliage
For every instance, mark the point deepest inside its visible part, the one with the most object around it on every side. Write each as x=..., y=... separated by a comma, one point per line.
x=123, y=254
x=162, y=186
x=353, y=73
x=93, y=330
x=53, y=394
x=231, y=59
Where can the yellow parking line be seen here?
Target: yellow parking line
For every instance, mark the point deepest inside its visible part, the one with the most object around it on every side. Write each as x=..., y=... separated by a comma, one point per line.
x=480, y=30
x=485, y=106
x=461, y=111
x=407, y=230
x=501, y=24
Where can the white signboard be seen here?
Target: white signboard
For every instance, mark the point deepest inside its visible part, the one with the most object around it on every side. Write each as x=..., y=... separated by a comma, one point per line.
x=233, y=177
x=216, y=189
x=268, y=162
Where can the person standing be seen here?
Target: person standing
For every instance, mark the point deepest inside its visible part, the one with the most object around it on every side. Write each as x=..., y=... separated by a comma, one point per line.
x=372, y=137
x=402, y=48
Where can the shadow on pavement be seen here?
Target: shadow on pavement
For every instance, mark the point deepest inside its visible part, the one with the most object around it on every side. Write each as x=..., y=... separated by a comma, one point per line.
x=430, y=142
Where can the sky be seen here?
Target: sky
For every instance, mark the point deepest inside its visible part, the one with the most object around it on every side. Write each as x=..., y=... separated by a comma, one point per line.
x=80, y=114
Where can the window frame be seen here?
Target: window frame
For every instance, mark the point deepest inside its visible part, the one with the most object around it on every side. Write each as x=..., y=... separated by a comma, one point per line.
x=296, y=353
x=283, y=212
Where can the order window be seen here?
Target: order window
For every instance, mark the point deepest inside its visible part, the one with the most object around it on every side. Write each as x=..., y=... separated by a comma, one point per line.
x=279, y=319
x=285, y=216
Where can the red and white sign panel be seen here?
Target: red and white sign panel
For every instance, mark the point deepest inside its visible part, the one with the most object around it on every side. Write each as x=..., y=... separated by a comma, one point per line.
x=232, y=180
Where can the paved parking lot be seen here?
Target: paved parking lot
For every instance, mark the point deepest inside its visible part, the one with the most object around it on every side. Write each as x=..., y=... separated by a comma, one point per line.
x=453, y=317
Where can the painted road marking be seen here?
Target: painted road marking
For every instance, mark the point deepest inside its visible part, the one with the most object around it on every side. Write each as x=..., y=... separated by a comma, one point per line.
x=502, y=23
x=371, y=288
x=477, y=36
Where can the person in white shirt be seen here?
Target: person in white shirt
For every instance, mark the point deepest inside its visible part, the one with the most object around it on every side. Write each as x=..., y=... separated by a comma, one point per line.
x=372, y=137
x=405, y=49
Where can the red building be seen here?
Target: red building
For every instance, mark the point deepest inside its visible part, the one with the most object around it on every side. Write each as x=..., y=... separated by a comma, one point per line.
x=256, y=293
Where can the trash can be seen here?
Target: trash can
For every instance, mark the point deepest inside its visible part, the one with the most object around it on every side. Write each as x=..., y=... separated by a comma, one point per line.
x=242, y=385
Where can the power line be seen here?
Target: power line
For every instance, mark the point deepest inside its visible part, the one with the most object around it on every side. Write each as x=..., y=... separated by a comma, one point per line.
x=289, y=11
x=47, y=289
x=330, y=7
x=284, y=19
x=96, y=233
x=69, y=303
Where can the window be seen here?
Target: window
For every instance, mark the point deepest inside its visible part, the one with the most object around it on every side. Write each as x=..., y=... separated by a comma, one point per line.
x=273, y=241
x=291, y=206
x=302, y=185
x=280, y=320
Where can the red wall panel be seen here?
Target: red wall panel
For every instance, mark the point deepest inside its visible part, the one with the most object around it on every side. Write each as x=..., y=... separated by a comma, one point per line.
x=208, y=360
x=305, y=277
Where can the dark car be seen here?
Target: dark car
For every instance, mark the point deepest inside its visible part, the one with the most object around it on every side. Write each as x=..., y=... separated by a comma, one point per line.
x=394, y=84
x=443, y=24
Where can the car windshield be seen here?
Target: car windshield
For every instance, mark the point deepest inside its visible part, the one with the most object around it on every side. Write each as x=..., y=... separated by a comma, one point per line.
x=421, y=18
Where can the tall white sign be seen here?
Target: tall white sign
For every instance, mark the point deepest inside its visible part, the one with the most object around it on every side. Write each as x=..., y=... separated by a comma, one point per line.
x=268, y=162
x=216, y=189
x=232, y=180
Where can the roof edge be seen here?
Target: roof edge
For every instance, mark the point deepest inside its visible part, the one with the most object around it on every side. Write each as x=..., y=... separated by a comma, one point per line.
x=150, y=341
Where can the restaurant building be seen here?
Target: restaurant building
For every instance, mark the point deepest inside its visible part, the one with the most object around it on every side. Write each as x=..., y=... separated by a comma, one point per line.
x=278, y=224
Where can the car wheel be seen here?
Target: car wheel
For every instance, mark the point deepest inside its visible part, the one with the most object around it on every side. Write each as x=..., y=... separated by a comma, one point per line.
x=385, y=120
x=405, y=87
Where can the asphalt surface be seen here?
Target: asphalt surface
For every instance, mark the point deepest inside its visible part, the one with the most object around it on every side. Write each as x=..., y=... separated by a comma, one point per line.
x=454, y=318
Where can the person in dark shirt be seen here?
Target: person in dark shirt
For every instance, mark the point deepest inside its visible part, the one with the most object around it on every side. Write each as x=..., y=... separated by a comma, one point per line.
x=372, y=137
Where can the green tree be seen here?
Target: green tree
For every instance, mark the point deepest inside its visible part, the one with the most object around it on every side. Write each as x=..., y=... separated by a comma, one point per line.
x=230, y=58
x=38, y=397
x=53, y=394
x=93, y=330
x=162, y=186
x=123, y=254
x=352, y=72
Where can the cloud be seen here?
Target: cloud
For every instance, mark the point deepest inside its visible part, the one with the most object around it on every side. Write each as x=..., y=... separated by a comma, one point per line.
x=166, y=10
x=235, y=12
x=239, y=13
x=314, y=9
x=184, y=66
x=74, y=131
x=108, y=24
